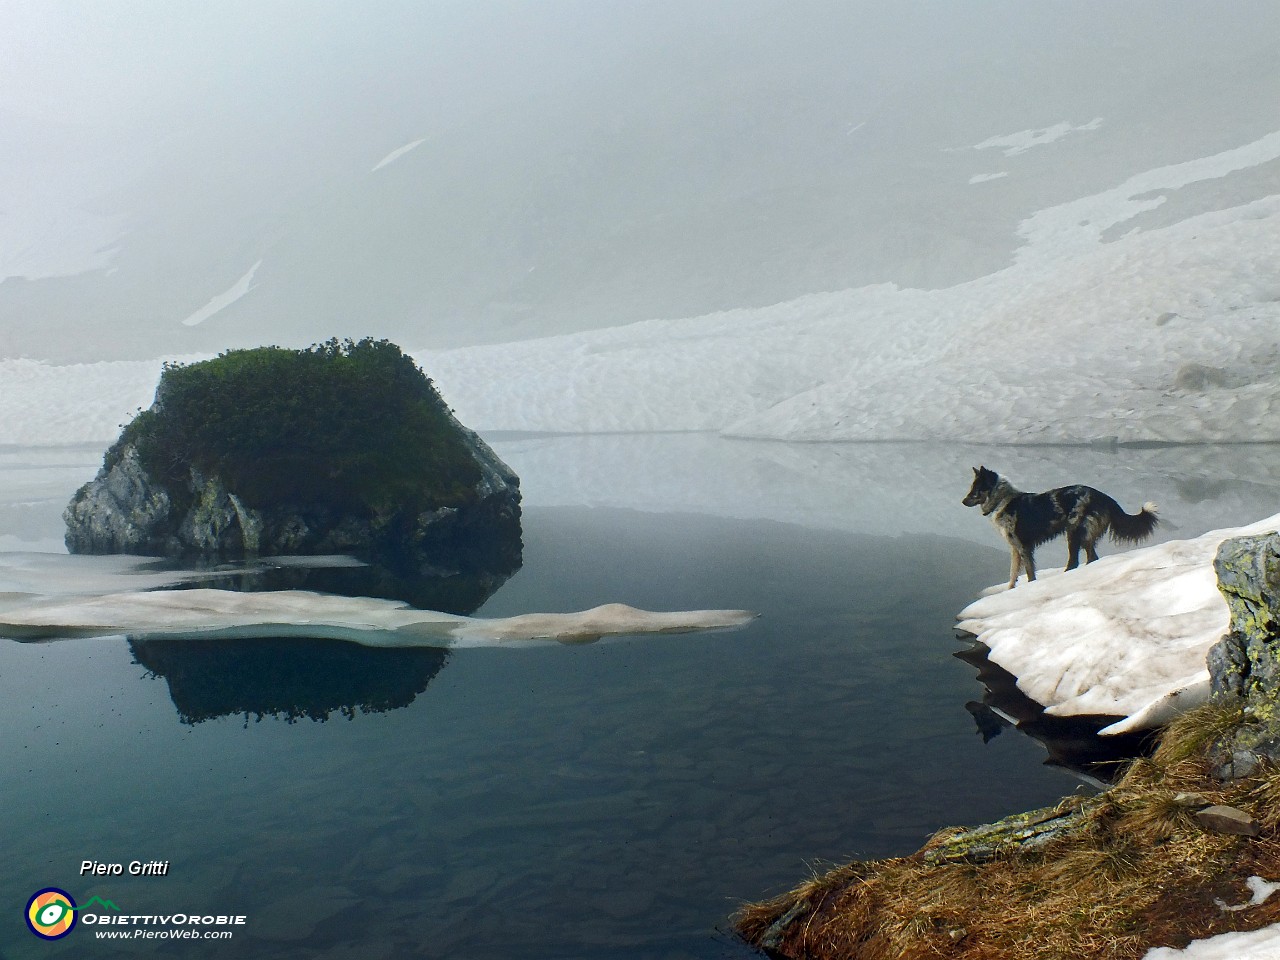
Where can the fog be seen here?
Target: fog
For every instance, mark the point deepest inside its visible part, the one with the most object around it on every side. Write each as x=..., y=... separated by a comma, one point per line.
x=180, y=179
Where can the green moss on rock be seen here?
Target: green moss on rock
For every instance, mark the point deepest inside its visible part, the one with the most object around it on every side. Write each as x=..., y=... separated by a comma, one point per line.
x=345, y=425
x=1245, y=664
x=344, y=446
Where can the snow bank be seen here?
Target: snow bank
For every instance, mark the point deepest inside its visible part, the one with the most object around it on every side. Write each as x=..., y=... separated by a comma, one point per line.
x=1125, y=636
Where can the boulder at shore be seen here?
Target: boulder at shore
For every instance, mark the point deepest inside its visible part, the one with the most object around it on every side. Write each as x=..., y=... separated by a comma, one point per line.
x=1245, y=664
x=344, y=447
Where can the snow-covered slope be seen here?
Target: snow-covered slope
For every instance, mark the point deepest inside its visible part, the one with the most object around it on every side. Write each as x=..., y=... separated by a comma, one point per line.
x=45, y=404
x=1166, y=334
x=1105, y=327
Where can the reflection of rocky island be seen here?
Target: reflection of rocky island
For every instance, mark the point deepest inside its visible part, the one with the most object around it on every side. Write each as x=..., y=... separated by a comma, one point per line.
x=340, y=448
x=291, y=678
x=286, y=678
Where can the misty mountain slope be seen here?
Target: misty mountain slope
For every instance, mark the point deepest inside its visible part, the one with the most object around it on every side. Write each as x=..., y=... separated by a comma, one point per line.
x=1098, y=330
x=1169, y=334
x=576, y=166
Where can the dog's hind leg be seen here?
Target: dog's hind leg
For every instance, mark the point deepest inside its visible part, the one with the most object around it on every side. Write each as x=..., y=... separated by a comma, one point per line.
x=1094, y=529
x=1073, y=548
x=1029, y=561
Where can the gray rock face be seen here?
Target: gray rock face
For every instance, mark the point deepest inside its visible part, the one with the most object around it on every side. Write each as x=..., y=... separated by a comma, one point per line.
x=1246, y=662
x=124, y=509
x=120, y=511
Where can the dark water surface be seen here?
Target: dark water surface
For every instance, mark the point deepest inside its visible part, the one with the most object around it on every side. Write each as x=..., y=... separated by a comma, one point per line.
x=615, y=800
x=611, y=800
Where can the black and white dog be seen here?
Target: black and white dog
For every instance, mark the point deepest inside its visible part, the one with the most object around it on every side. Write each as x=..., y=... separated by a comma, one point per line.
x=1027, y=520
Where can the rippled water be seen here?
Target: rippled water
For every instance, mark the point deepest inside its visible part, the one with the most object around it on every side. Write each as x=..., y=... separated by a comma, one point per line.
x=614, y=800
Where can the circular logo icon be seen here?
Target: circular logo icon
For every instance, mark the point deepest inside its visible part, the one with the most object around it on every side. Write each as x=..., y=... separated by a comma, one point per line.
x=51, y=913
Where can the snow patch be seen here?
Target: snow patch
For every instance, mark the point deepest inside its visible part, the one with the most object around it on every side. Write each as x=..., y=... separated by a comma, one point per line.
x=1260, y=889
x=396, y=154
x=985, y=177
x=223, y=300
x=1024, y=140
x=1261, y=944
x=1076, y=227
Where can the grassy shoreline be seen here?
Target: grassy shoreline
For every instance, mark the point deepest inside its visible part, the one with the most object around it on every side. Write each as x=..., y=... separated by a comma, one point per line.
x=1104, y=877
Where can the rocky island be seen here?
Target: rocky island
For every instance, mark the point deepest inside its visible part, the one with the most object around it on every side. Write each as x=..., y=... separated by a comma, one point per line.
x=341, y=448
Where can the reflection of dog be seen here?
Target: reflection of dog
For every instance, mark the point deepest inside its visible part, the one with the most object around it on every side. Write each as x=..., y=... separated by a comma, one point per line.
x=1029, y=519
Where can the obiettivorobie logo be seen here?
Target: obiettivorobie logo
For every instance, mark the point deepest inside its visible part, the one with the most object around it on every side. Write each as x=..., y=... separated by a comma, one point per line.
x=51, y=913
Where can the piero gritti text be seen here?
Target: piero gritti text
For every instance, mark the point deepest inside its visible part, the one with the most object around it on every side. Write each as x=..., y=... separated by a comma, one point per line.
x=135, y=868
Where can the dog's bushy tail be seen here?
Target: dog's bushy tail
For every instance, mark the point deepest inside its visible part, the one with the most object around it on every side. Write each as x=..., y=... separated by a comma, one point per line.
x=1135, y=528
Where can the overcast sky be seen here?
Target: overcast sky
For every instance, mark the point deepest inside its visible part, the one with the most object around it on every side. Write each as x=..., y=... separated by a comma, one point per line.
x=582, y=162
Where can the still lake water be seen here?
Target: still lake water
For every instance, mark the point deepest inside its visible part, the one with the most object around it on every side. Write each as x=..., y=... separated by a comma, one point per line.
x=615, y=800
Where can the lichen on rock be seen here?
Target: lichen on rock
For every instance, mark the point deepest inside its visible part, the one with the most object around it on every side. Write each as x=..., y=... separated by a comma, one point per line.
x=1245, y=664
x=344, y=447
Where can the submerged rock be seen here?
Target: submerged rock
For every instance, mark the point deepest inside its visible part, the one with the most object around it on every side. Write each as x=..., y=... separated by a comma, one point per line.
x=1245, y=664
x=341, y=448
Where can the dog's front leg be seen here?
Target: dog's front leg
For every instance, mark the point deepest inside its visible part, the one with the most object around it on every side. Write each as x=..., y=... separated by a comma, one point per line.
x=1015, y=566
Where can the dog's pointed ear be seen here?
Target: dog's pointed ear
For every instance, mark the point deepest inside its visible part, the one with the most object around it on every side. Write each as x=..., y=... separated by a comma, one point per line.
x=978, y=470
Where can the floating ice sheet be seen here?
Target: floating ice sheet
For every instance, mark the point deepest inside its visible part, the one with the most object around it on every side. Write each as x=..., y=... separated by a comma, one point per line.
x=177, y=614
x=49, y=597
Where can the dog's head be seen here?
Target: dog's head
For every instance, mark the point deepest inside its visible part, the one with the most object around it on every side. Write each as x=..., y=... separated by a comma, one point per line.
x=984, y=484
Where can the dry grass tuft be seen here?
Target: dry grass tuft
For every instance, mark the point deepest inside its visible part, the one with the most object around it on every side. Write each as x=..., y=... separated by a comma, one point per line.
x=1137, y=871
